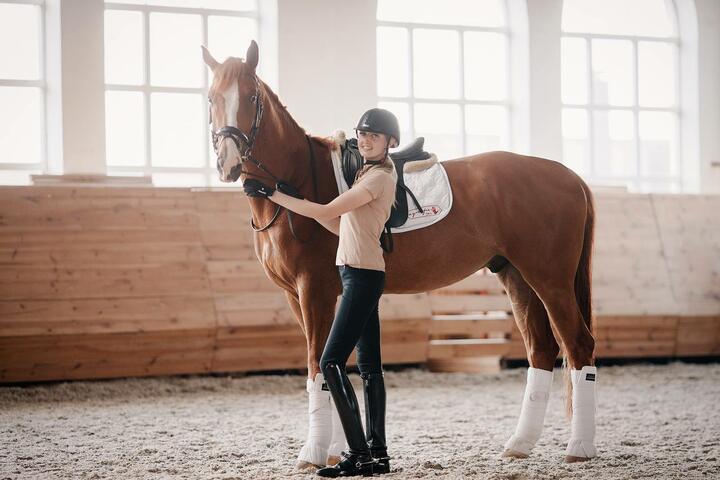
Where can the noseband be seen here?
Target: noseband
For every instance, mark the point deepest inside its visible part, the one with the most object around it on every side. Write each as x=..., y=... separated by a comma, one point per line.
x=237, y=136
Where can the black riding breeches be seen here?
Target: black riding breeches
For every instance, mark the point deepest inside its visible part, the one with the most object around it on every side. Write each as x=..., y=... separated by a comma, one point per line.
x=357, y=323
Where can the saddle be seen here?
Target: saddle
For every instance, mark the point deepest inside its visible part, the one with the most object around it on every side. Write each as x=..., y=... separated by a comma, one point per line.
x=352, y=161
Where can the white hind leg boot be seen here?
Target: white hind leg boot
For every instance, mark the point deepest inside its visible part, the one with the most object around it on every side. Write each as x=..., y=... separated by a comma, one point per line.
x=338, y=442
x=582, y=433
x=532, y=414
x=315, y=450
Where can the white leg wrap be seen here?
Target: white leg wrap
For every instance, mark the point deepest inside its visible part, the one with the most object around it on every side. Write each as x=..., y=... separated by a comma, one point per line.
x=582, y=433
x=532, y=414
x=315, y=450
x=338, y=443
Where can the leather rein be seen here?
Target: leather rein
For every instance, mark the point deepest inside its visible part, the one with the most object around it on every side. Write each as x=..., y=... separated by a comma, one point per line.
x=238, y=136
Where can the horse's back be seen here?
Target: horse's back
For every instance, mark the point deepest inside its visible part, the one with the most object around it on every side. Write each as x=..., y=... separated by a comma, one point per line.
x=499, y=168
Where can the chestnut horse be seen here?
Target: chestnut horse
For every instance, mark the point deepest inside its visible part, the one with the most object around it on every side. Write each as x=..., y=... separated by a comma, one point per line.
x=529, y=217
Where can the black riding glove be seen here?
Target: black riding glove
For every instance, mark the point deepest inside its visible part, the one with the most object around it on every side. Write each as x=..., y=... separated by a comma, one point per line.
x=288, y=189
x=255, y=188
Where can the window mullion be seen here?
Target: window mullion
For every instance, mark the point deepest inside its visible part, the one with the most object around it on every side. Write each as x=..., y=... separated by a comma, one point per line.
x=636, y=112
x=44, y=127
x=206, y=111
x=462, y=92
x=590, y=103
x=411, y=80
x=146, y=88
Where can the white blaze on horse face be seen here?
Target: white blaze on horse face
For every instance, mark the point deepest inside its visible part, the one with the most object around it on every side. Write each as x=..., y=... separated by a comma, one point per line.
x=227, y=150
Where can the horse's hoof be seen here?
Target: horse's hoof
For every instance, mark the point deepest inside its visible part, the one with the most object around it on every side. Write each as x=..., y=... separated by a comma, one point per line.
x=573, y=459
x=514, y=454
x=333, y=460
x=307, y=466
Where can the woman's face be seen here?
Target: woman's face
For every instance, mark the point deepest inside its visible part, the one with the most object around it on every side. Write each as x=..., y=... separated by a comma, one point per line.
x=372, y=145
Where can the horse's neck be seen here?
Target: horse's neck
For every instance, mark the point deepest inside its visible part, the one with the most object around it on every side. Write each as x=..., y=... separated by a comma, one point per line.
x=282, y=147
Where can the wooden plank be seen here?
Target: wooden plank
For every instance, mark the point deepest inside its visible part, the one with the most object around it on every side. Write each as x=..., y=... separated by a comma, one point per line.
x=634, y=348
x=17, y=238
x=468, y=303
x=73, y=357
x=82, y=254
x=467, y=348
x=490, y=364
x=239, y=276
x=102, y=316
x=106, y=281
x=470, y=327
x=400, y=306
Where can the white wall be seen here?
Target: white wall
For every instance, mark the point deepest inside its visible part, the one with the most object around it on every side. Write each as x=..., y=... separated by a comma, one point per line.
x=327, y=61
x=708, y=15
x=76, y=86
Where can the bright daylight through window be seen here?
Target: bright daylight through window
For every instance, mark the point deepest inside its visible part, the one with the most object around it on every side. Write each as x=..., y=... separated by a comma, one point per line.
x=156, y=83
x=22, y=92
x=445, y=73
x=620, y=113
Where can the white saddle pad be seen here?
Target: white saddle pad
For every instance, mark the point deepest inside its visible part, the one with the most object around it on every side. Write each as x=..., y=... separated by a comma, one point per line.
x=430, y=186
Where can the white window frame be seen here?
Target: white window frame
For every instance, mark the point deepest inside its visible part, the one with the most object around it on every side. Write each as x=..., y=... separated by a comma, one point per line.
x=41, y=83
x=147, y=89
x=590, y=108
x=462, y=102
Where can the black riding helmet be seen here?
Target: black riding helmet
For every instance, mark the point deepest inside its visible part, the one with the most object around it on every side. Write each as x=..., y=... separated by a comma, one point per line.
x=379, y=120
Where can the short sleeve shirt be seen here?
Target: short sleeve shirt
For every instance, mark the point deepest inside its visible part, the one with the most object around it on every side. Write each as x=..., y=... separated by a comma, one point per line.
x=360, y=229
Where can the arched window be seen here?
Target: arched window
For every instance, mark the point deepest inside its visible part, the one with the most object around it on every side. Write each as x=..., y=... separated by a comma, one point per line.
x=22, y=91
x=620, y=93
x=156, y=83
x=444, y=71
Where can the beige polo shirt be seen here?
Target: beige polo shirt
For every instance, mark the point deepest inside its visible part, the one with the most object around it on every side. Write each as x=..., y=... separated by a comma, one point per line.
x=360, y=228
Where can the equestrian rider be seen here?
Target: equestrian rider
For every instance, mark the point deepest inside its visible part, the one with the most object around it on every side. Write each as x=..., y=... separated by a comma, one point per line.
x=358, y=217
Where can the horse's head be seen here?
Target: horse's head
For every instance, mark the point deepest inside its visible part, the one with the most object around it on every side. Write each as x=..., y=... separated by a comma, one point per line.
x=236, y=107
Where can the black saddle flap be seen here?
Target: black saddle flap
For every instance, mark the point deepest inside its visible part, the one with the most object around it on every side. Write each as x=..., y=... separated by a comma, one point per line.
x=352, y=161
x=413, y=151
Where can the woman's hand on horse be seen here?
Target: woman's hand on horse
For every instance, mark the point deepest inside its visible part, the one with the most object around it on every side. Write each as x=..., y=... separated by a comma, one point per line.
x=255, y=188
x=287, y=189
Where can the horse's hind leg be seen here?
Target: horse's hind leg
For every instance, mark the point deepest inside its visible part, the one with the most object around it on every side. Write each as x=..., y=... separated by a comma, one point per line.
x=542, y=350
x=578, y=344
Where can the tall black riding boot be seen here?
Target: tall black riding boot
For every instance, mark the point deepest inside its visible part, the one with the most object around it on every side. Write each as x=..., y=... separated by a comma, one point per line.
x=358, y=461
x=375, y=399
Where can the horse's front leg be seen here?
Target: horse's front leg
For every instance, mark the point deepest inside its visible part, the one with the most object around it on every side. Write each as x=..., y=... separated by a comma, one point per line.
x=325, y=438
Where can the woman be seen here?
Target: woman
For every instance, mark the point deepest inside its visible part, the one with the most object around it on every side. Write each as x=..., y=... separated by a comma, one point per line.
x=358, y=217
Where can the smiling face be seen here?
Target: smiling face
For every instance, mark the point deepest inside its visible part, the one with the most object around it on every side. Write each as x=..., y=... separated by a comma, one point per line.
x=234, y=101
x=372, y=145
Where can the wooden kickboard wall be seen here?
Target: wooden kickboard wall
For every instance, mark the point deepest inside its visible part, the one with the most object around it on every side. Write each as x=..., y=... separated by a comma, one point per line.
x=113, y=281
x=129, y=281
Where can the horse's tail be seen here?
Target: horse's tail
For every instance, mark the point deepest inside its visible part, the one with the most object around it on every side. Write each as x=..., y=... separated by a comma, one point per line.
x=583, y=282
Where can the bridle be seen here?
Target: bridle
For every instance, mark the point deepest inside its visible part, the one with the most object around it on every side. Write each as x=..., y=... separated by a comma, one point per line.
x=237, y=136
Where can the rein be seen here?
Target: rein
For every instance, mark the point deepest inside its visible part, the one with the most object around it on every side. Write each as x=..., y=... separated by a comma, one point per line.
x=237, y=136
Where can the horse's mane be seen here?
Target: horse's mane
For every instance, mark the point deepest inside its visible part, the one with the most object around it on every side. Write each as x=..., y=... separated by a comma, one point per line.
x=228, y=72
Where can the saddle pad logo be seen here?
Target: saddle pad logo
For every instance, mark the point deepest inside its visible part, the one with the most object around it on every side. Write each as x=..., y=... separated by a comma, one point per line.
x=590, y=377
x=428, y=211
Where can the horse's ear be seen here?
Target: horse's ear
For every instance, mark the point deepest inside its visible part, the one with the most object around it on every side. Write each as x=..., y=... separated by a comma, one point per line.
x=252, y=55
x=208, y=59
